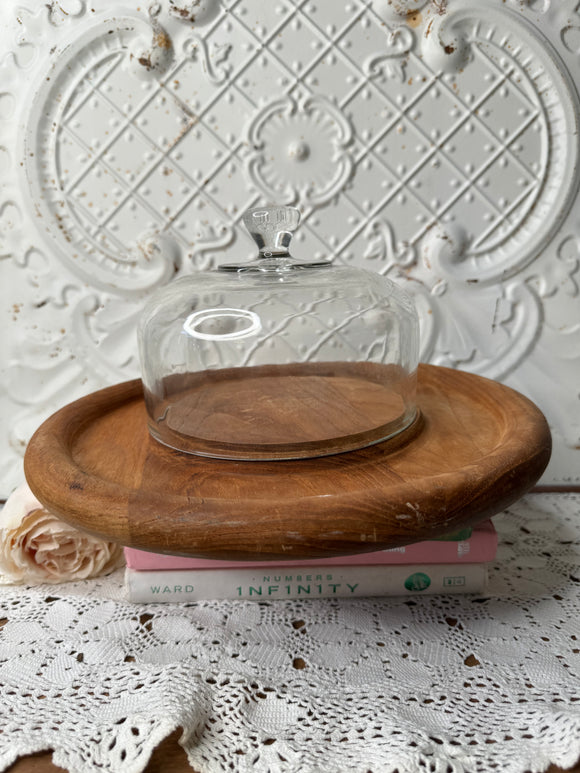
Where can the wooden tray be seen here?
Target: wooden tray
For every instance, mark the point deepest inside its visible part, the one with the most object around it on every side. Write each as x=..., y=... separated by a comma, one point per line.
x=477, y=447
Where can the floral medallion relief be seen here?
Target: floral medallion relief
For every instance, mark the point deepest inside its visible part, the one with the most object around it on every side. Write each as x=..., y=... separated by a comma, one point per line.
x=300, y=151
x=426, y=140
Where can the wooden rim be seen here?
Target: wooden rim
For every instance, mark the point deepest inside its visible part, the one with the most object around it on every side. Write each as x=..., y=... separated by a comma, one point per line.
x=500, y=475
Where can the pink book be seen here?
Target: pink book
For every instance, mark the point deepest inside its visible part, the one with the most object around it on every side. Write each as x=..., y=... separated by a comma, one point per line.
x=479, y=547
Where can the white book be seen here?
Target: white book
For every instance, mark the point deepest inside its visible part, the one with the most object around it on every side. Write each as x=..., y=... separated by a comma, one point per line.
x=305, y=582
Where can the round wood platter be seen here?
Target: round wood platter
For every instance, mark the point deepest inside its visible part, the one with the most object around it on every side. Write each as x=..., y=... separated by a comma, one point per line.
x=476, y=448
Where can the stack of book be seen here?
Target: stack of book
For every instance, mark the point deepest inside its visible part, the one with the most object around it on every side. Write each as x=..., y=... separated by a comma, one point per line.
x=456, y=563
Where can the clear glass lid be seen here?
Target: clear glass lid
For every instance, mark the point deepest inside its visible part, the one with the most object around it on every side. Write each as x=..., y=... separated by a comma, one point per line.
x=277, y=358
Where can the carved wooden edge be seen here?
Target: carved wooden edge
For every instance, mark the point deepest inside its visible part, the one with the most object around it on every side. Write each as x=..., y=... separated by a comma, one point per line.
x=104, y=508
x=534, y=490
x=48, y=451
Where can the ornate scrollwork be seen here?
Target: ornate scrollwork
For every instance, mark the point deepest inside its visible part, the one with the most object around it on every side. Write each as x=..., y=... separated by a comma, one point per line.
x=392, y=62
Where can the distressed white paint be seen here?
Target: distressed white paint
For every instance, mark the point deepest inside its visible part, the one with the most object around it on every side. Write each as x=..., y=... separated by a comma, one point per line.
x=433, y=141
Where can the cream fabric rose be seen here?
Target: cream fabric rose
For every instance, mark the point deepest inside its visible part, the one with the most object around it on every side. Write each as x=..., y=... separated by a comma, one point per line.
x=37, y=547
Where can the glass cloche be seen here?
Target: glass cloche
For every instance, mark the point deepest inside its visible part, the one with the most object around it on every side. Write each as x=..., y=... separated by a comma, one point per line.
x=278, y=358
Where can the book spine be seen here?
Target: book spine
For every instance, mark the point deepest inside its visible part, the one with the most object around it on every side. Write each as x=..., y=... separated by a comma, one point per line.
x=479, y=548
x=313, y=581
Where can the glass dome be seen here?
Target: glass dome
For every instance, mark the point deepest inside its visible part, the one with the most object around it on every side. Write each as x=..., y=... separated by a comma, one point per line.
x=278, y=358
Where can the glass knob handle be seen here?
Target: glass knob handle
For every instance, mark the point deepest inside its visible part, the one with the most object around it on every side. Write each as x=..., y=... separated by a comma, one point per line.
x=272, y=228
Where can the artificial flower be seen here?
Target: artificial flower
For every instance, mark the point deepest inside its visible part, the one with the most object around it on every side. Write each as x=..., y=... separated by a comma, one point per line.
x=37, y=547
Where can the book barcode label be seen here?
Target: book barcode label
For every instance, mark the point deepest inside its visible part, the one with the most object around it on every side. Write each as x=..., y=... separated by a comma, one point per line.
x=454, y=581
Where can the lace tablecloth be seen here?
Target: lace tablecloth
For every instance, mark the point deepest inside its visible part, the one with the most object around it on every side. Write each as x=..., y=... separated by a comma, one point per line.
x=438, y=683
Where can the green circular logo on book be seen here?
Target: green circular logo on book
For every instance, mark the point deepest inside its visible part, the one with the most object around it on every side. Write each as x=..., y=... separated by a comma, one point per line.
x=418, y=581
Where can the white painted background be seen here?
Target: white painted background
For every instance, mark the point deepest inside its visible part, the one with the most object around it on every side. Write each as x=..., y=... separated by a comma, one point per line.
x=436, y=142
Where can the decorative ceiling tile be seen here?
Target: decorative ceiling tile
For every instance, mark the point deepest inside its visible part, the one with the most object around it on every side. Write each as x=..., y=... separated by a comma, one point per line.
x=431, y=140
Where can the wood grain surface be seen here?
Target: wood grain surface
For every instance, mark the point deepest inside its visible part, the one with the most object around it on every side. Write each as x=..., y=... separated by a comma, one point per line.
x=477, y=447
x=293, y=411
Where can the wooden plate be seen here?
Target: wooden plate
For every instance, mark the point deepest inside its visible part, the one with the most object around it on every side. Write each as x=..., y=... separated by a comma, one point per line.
x=477, y=448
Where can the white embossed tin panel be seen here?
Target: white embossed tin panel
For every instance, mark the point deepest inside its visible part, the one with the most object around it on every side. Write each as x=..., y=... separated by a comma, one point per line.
x=434, y=141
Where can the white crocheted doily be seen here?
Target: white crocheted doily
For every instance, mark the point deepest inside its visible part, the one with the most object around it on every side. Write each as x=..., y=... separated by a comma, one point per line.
x=438, y=683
